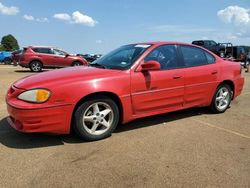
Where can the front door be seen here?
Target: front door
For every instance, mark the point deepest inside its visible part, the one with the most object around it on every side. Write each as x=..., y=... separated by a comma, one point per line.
x=161, y=90
x=60, y=58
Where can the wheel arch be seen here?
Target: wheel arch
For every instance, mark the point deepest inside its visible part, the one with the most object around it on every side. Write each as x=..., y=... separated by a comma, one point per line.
x=75, y=62
x=111, y=95
x=35, y=60
x=230, y=83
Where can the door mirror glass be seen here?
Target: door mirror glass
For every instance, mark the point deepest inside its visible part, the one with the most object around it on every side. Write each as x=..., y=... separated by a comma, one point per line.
x=150, y=66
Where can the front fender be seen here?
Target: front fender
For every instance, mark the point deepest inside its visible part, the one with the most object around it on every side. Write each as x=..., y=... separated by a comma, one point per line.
x=75, y=91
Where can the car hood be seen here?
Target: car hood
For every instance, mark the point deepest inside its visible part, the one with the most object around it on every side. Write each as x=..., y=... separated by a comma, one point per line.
x=63, y=75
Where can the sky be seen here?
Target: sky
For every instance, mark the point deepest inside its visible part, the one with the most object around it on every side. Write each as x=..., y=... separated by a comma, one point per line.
x=98, y=26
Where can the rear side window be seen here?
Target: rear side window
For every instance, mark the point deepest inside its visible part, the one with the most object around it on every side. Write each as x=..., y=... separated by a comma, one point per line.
x=193, y=56
x=199, y=43
x=42, y=50
x=210, y=58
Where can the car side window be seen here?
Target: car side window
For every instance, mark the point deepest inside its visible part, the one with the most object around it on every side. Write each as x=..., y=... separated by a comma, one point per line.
x=207, y=43
x=193, y=56
x=212, y=43
x=59, y=52
x=166, y=55
x=210, y=58
x=42, y=50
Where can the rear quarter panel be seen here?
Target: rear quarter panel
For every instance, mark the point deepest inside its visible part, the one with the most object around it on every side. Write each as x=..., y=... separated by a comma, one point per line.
x=231, y=71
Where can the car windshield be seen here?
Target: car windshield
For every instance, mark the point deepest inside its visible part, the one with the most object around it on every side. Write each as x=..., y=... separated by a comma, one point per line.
x=122, y=58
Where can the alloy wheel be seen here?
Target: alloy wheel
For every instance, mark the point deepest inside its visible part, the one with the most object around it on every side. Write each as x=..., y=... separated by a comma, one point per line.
x=222, y=98
x=36, y=66
x=77, y=64
x=98, y=118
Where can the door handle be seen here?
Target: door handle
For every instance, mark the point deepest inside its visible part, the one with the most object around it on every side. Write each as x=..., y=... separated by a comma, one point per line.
x=176, y=76
x=214, y=72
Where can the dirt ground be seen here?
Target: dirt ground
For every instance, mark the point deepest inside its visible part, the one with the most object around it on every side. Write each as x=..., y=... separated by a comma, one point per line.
x=191, y=148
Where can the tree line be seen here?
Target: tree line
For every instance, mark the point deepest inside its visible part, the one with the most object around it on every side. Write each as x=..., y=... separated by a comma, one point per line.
x=9, y=43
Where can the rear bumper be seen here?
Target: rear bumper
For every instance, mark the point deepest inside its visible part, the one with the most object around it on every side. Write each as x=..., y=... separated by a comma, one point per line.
x=239, y=83
x=51, y=120
x=23, y=65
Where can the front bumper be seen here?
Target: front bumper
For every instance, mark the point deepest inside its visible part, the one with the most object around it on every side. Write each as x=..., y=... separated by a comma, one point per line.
x=51, y=120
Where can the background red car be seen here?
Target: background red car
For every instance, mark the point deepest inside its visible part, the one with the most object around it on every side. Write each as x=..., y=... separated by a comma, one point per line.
x=130, y=82
x=38, y=57
x=16, y=56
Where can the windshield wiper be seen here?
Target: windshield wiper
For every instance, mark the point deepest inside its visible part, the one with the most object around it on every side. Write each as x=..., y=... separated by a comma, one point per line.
x=97, y=65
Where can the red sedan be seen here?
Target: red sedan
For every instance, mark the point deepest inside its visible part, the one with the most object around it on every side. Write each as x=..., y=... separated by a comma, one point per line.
x=133, y=81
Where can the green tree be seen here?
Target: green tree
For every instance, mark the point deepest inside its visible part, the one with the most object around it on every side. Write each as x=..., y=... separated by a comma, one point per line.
x=1, y=48
x=9, y=43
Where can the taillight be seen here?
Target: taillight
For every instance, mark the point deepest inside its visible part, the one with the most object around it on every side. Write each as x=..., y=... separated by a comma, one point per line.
x=11, y=90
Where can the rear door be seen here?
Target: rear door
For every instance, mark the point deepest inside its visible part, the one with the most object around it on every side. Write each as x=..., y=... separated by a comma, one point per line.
x=45, y=54
x=161, y=90
x=201, y=76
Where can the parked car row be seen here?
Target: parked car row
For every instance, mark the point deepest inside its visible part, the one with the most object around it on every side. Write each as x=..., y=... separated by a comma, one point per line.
x=38, y=57
x=217, y=48
x=90, y=57
x=226, y=50
x=5, y=57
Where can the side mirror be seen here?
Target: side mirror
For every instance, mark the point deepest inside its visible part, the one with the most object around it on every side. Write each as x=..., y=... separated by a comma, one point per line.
x=150, y=66
x=66, y=55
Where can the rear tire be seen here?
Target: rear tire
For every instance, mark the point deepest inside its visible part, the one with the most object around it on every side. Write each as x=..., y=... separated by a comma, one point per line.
x=76, y=63
x=96, y=118
x=222, y=99
x=36, y=66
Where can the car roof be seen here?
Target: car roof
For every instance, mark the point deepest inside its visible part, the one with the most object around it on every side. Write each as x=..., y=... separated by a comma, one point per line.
x=165, y=42
x=41, y=47
x=202, y=40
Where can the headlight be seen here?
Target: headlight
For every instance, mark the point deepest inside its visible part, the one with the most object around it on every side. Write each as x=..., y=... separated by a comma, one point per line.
x=35, y=95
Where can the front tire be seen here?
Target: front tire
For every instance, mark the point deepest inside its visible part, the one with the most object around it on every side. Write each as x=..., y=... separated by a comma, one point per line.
x=222, y=99
x=36, y=66
x=96, y=118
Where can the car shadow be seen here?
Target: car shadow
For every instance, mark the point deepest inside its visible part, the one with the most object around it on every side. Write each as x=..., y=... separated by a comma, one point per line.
x=11, y=138
x=28, y=71
x=162, y=118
